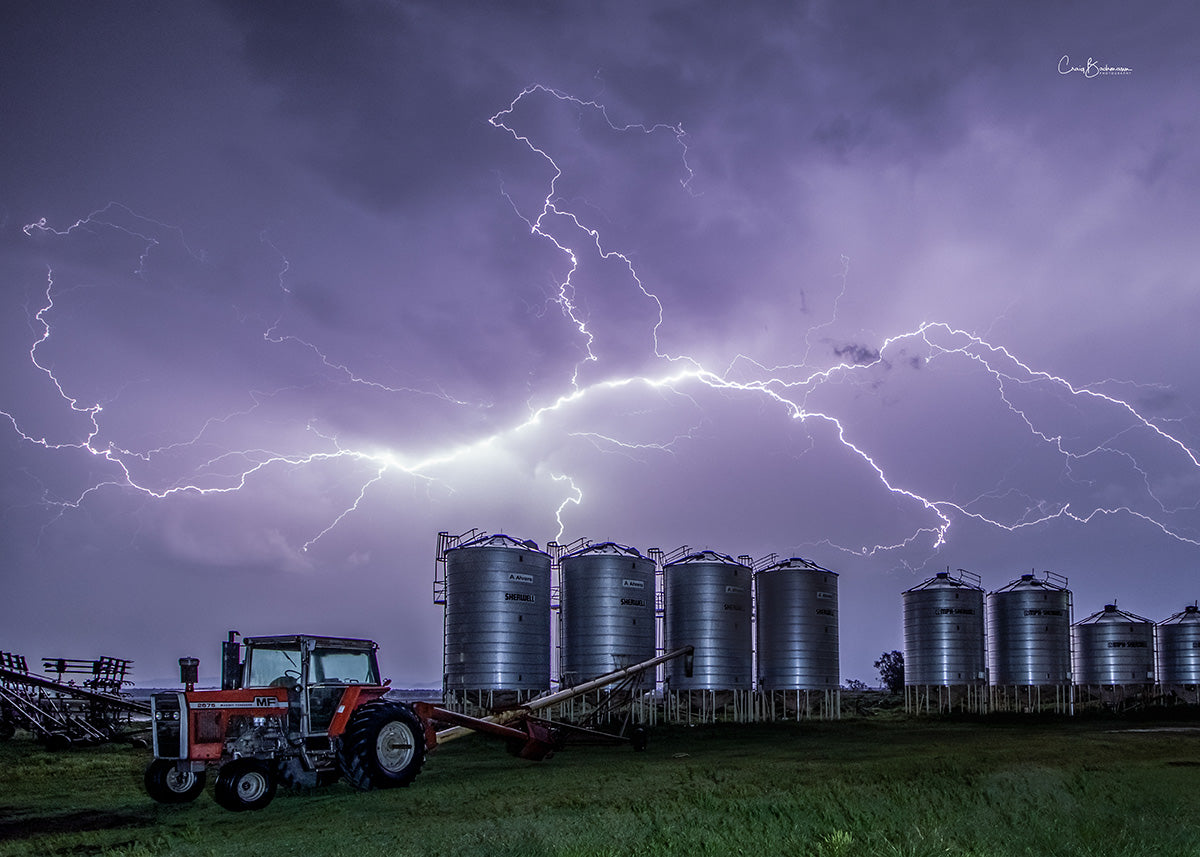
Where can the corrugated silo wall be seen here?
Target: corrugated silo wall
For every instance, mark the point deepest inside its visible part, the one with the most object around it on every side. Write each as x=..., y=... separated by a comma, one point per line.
x=1179, y=649
x=944, y=635
x=797, y=628
x=497, y=631
x=707, y=605
x=608, y=610
x=1113, y=651
x=1029, y=636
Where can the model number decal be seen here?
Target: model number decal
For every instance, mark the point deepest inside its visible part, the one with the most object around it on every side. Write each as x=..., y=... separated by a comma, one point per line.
x=259, y=702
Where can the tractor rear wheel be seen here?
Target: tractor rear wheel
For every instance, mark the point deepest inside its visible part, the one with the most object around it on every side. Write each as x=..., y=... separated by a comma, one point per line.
x=167, y=784
x=383, y=746
x=244, y=784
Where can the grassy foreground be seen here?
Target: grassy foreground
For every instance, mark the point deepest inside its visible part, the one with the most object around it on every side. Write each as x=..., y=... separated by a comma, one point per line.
x=850, y=788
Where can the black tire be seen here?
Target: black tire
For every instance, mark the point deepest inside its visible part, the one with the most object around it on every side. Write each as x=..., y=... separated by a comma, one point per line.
x=639, y=736
x=166, y=784
x=383, y=746
x=244, y=784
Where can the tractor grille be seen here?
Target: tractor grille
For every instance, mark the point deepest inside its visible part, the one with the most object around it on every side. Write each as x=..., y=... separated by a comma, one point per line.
x=168, y=725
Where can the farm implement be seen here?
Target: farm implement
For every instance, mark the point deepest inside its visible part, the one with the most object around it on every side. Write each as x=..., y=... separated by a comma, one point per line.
x=305, y=710
x=63, y=710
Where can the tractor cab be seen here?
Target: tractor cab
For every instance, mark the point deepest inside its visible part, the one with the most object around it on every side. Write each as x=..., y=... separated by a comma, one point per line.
x=315, y=671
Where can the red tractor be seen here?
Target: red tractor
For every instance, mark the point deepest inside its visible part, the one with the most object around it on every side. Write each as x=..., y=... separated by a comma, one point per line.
x=305, y=710
x=300, y=710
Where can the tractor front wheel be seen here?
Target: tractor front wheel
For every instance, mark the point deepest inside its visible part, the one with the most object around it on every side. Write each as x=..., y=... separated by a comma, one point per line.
x=383, y=746
x=167, y=784
x=244, y=784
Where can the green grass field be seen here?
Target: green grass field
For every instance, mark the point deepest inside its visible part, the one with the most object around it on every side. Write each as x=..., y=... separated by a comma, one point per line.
x=860, y=787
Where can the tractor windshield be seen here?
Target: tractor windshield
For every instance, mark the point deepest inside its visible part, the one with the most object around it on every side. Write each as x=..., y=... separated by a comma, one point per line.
x=342, y=667
x=273, y=667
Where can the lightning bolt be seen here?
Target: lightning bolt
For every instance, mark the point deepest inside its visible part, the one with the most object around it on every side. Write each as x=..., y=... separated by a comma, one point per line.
x=341, y=369
x=552, y=208
x=788, y=388
x=110, y=217
x=207, y=477
x=575, y=497
x=1003, y=366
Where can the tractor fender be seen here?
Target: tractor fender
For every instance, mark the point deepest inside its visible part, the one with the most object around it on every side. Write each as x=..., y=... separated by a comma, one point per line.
x=355, y=695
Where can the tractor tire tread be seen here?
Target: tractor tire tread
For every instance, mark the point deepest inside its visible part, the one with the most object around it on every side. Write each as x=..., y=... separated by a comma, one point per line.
x=358, y=756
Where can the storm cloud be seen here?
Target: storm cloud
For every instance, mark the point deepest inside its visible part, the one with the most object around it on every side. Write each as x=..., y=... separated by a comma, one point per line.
x=291, y=287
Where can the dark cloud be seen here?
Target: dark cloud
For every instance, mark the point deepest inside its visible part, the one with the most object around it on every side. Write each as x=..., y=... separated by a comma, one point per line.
x=842, y=134
x=858, y=354
x=296, y=266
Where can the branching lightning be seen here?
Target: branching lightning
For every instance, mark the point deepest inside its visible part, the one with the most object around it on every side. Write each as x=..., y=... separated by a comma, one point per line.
x=575, y=497
x=347, y=374
x=791, y=395
x=551, y=207
x=787, y=388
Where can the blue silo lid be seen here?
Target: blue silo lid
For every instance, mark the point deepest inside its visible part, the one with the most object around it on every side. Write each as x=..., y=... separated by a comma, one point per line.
x=606, y=548
x=707, y=556
x=498, y=540
x=797, y=563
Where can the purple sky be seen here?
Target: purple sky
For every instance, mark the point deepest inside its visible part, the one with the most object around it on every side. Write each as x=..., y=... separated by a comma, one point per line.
x=874, y=284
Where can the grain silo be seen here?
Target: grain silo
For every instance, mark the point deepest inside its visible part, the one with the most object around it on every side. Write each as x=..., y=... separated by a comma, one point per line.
x=945, y=662
x=497, y=622
x=1029, y=644
x=1113, y=657
x=707, y=605
x=607, y=610
x=796, y=618
x=1179, y=656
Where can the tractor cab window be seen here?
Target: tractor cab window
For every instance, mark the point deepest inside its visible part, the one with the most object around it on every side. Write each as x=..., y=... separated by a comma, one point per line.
x=273, y=667
x=329, y=666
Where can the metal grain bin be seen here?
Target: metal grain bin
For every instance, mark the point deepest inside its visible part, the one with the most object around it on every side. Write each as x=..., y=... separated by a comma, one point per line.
x=1029, y=633
x=944, y=633
x=1112, y=647
x=707, y=603
x=1179, y=648
x=607, y=610
x=497, y=633
x=797, y=626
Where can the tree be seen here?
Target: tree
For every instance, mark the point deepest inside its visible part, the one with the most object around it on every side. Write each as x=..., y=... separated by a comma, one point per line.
x=891, y=671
